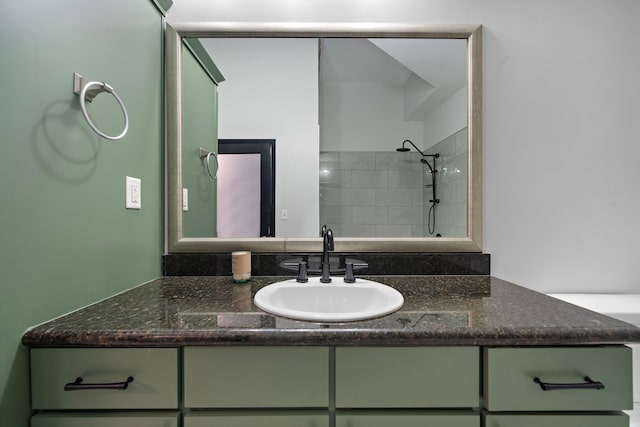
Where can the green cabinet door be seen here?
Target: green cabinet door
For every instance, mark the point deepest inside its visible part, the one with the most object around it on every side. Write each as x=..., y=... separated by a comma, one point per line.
x=257, y=419
x=256, y=377
x=555, y=420
x=407, y=377
x=407, y=419
x=106, y=419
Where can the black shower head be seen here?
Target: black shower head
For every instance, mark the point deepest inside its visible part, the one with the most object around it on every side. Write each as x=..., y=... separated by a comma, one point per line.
x=404, y=149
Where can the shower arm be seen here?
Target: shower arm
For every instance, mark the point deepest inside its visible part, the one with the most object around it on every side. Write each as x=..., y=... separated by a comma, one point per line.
x=413, y=145
x=435, y=156
x=433, y=169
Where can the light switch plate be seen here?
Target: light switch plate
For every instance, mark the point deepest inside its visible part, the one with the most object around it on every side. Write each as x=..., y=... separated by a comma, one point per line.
x=133, y=193
x=185, y=199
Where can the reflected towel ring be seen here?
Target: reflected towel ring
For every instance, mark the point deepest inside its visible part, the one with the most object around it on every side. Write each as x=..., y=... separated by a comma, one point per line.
x=215, y=156
x=206, y=154
x=87, y=94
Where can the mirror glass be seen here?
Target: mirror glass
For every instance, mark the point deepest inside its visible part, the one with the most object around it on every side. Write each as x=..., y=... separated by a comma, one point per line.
x=377, y=134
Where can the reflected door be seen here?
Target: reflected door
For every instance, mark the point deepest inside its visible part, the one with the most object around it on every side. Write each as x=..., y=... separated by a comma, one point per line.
x=239, y=195
x=246, y=188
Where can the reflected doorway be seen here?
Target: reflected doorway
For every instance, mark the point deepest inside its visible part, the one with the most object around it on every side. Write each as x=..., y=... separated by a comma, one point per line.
x=246, y=188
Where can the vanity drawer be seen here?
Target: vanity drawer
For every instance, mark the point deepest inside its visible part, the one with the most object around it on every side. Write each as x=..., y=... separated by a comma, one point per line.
x=407, y=377
x=564, y=420
x=510, y=372
x=382, y=418
x=256, y=377
x=154, y=372
x=106, y=419
x=279, y=418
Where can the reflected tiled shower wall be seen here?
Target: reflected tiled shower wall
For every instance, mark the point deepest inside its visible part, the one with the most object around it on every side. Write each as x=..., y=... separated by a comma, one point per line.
x=383, y=194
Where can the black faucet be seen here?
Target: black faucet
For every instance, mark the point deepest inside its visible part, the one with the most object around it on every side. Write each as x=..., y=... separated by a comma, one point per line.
x=327, y=246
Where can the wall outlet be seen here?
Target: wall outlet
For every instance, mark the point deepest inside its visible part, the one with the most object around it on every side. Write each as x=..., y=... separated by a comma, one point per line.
x=185, y=199
x=133, y=193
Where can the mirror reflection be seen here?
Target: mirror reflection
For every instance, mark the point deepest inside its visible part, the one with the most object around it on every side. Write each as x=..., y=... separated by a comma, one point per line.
x=366, y=96
x=375, y=94
x=375, y=131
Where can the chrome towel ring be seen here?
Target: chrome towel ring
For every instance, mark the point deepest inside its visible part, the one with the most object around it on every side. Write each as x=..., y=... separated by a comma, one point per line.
x=206, y=154
x=87, y=91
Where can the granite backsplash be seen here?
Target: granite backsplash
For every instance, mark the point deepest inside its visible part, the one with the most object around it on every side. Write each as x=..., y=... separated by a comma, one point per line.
x=380, y=263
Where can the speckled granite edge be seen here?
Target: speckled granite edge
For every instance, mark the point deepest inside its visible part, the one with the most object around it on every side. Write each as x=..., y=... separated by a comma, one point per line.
x=200, y=311
x=170, y=338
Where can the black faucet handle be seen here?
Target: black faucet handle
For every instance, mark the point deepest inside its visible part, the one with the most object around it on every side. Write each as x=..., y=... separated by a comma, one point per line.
x=349, y=277
x=302, y=270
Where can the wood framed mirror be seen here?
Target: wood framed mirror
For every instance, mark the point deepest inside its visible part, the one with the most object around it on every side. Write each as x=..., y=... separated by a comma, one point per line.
x=471, y=241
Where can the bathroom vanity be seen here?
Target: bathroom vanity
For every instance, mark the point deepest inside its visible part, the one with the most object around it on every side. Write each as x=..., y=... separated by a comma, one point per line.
x=462, y=351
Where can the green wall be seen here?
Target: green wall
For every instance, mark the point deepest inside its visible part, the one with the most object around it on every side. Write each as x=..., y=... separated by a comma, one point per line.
x=200, y=129
x=67, y=239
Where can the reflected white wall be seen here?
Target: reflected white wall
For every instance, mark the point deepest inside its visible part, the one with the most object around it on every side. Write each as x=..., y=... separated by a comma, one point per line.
x=271, y=92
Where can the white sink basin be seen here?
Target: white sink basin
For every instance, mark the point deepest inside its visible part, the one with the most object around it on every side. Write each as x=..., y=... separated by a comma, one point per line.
x=328, y=302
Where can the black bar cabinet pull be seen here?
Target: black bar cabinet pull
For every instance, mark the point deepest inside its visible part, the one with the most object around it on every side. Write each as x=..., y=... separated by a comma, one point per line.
x=79, y=385
x=589, y=384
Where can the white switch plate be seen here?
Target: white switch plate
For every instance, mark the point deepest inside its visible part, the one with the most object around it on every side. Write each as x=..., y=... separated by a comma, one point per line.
x=185, y=199
x=285, y=214
x=133, y=192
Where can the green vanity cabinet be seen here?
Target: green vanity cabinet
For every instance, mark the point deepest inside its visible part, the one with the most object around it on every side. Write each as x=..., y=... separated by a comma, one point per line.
x=313, y=386
x=256, y=377
x=407, y=377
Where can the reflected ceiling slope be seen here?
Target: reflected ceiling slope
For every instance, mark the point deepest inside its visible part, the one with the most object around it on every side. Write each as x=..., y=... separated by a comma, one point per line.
x=432, y=70
x=344, y=61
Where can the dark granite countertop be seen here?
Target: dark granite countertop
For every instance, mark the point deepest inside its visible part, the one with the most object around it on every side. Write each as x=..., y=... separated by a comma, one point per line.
x=438, y=310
